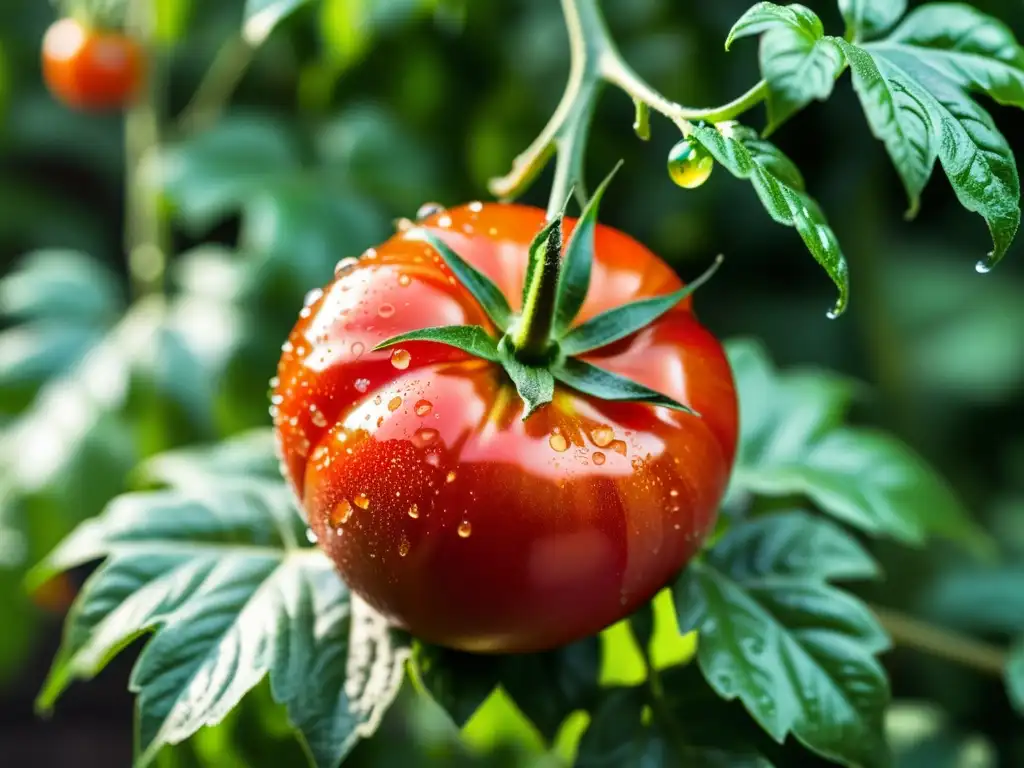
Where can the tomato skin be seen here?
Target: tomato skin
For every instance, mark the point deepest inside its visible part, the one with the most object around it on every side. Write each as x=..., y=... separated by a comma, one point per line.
x=446, y=511
x=90, y=69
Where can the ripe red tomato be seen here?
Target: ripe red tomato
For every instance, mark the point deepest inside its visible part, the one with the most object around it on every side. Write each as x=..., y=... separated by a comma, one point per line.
x=440, y=505
x=91, y=69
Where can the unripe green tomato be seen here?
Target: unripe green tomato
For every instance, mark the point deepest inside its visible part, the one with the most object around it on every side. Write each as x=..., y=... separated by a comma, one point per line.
x=689, y=164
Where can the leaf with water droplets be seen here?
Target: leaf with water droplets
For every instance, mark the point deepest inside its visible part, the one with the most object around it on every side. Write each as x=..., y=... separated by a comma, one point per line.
x=224, y=580
x=799, y=653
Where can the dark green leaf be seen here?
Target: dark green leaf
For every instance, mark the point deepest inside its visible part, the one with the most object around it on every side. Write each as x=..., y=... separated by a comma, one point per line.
x=780, y=189
x=798, y=62
x=478, y=284
x=870, y=18
x=797, y=652
x=574, y=282
x=1015, y=675
x=974, y=50
x=536, y=386
x=221, y=580
x=60, y=285
x=616, y=735
x=641, y=624
x=618, y=323
x=459, y=682
x=791, y=444
x=605, y=385
x=469, y=338
x=261, y=16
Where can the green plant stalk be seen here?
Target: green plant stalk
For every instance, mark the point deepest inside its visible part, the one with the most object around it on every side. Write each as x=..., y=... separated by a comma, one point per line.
x=214, y=91
x=595, y=60
x=532, y=337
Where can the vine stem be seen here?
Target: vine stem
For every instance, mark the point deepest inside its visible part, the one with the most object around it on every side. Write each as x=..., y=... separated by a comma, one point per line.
x=221, y=79
x=908, y=632
x=145, y=231
x=595, y=60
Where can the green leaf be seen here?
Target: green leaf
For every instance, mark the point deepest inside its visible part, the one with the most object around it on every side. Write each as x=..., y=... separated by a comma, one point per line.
x=870, y=18
x=620, y=322
x=791, y=443
x=469, y=338
x=974, y=50
x=796, y=651
x=798, y=62
x=574, y=282
x=780, y=188
x=616, y=735
x=921, y=114
x=536, y=386
x=60, y=285
x=221, y=580
x=1015, y=675
x=36, y=352
x=605, y=385
x=987, y=600
x=460, y=682
x=261, y=16
x=487, y=294
x=249, y=454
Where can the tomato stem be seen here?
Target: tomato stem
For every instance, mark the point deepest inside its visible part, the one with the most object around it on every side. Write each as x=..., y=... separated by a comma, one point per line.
x=531, y=337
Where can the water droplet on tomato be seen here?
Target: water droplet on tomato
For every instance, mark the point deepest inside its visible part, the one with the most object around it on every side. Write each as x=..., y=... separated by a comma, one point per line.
x=400, y=359
x=433, y=460
x=602, y=436
x=340, y=514
x=361, y=500
x=403, y=547
x=317, y=417
x=423, y=407
x=450, y=477
x=637, y=463
x=394, y=403
x=403, y=224
x=465, y=529
x=557, y=442
x=476, y=206
x=673, y=493
x=414, y=511
x=386, y=310
x=277, y=399
x=302, y=445
x=618, y=446
x=358, y=348
x=344, y=265
x=362, y=385
x=274, y=382
x=598, y=457
x=689, y=164
x=404, y=280
x=427, y=210
x=312, y=297
x=311, y=536
x=424, y=437
x=444, y=221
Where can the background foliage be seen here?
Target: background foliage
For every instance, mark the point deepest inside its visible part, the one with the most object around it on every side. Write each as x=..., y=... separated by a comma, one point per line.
x=355, y=112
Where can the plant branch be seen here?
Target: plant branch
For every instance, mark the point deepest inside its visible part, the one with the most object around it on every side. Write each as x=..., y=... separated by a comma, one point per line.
x=908, y=632
x=595, y=60
x=220, y=81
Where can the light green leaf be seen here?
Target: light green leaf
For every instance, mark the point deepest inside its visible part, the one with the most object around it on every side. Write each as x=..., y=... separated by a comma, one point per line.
x=870, y=18
x=798, y=62
x=481, y=287
x=605, y=385
x=249, y=454
x=1015, y=675
x=799, y=653
x=780, y=189
x=792, y=444
x=974, y=50
x=623, y=321
x=220, y=579
x=261, y=16
x=469, y=338
x=36, y=352
x=61, y=285
x=979, y=599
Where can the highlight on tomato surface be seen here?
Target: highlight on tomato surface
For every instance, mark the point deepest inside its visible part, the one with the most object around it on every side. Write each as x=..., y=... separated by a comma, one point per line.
x=90, y=68
x=505, y=444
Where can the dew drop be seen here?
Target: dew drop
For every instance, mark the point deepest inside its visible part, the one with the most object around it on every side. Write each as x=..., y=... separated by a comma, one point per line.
x=423, y=407
x=450, y=477
x=317, y=417
x=673, y=493
x=414, y=511
x=983, y=267
x=312, y=297
x=444, y=221
x=424, y=437
x=403, y=547
x=476, y=206
x=689, y=164
x=362, y=385
x=602, y=436
x=404, y=280
x=274, y=382
x=557, y=442
x=465, y=529
x=394, y=403
x=400, y=359
x=361, y=500
x=311, y=536
x=403, y=224
x=637, y=463
x=599, y=458
x=427, y=210
x=618, y=446
x=386, y=310
x=302, y=445
x=344, y=265
x=433, y=459
x=277, y=399
x=340, y=514
x=358, y=348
